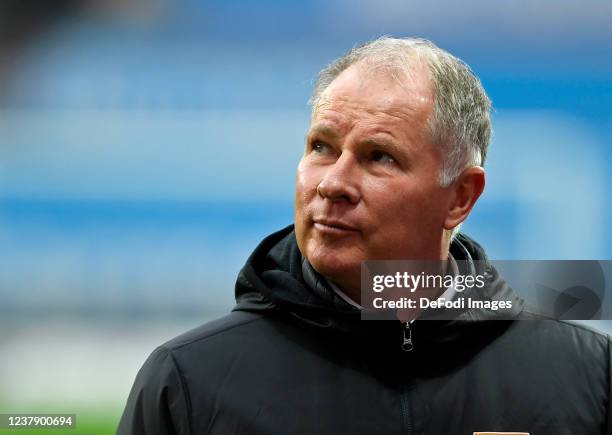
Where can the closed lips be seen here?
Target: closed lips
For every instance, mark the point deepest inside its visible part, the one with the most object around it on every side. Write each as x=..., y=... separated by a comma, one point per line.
x=335, y=224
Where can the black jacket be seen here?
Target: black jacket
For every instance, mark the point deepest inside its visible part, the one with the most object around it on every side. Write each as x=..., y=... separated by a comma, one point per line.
x=293, y=358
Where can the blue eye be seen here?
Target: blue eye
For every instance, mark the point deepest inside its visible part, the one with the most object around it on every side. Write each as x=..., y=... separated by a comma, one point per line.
x=382, y=157
x=320, y=147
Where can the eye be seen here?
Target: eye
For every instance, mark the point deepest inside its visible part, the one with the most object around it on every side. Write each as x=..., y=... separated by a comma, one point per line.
x=320, y=147
x=382, y=157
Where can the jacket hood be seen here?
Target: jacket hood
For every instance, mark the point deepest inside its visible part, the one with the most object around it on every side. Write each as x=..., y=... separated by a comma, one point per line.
x=274, y=279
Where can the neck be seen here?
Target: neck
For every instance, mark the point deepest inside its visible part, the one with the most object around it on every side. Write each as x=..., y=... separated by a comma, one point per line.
x=352, y=299
x=352, y=289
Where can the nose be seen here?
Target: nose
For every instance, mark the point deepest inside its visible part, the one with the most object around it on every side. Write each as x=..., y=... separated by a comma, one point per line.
x=341, y=180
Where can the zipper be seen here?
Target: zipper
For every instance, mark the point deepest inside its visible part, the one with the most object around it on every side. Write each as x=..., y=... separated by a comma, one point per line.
x=407, y=416
x=407, y=344
x=408, y=386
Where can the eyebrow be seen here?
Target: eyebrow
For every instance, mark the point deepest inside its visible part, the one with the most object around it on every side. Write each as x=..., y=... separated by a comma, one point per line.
x=323, y=129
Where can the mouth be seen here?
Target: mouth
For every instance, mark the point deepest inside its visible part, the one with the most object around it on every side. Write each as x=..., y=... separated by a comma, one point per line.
x=333, y=226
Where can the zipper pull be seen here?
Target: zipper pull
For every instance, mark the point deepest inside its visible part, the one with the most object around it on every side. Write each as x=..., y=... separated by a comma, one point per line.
x=407, y=345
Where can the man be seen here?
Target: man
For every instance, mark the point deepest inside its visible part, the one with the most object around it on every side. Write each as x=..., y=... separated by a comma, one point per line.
x=392, y=166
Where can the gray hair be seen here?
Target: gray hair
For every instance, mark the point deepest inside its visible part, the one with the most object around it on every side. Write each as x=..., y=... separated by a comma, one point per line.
x=460, y=123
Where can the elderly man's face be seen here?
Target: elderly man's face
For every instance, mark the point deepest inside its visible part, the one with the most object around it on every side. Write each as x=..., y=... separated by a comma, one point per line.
x=367, y=185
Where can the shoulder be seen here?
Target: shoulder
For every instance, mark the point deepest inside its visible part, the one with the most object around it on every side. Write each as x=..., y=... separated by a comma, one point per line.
x=223, y=341
x=172, y=359
x=591, y=329
x=560, y=337
x=230, y=325
x=219, y=339
x=161, y=392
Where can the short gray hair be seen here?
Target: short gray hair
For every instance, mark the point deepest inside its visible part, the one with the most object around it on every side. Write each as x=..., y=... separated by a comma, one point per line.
x=461, y=122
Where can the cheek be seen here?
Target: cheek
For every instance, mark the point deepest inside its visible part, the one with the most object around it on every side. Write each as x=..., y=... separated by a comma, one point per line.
x=409, y=207
x=305, y=191
x=305, y=184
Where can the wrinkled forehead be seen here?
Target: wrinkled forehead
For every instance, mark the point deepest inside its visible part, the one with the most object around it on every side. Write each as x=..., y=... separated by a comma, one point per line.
x=380, y=88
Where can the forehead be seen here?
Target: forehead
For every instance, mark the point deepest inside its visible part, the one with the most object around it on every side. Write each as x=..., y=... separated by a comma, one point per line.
x=360, y=92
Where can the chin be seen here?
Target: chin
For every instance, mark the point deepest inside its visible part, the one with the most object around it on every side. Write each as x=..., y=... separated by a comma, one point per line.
x=336, y=266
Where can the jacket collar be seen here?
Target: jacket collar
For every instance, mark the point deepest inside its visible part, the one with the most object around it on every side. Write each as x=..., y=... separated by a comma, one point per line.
x=275, y=279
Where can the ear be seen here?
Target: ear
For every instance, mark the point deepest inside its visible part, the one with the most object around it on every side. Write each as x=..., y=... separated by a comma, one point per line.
x=465, y=192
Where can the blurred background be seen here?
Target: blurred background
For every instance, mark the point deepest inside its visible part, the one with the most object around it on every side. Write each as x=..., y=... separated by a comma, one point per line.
x=146, y=146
